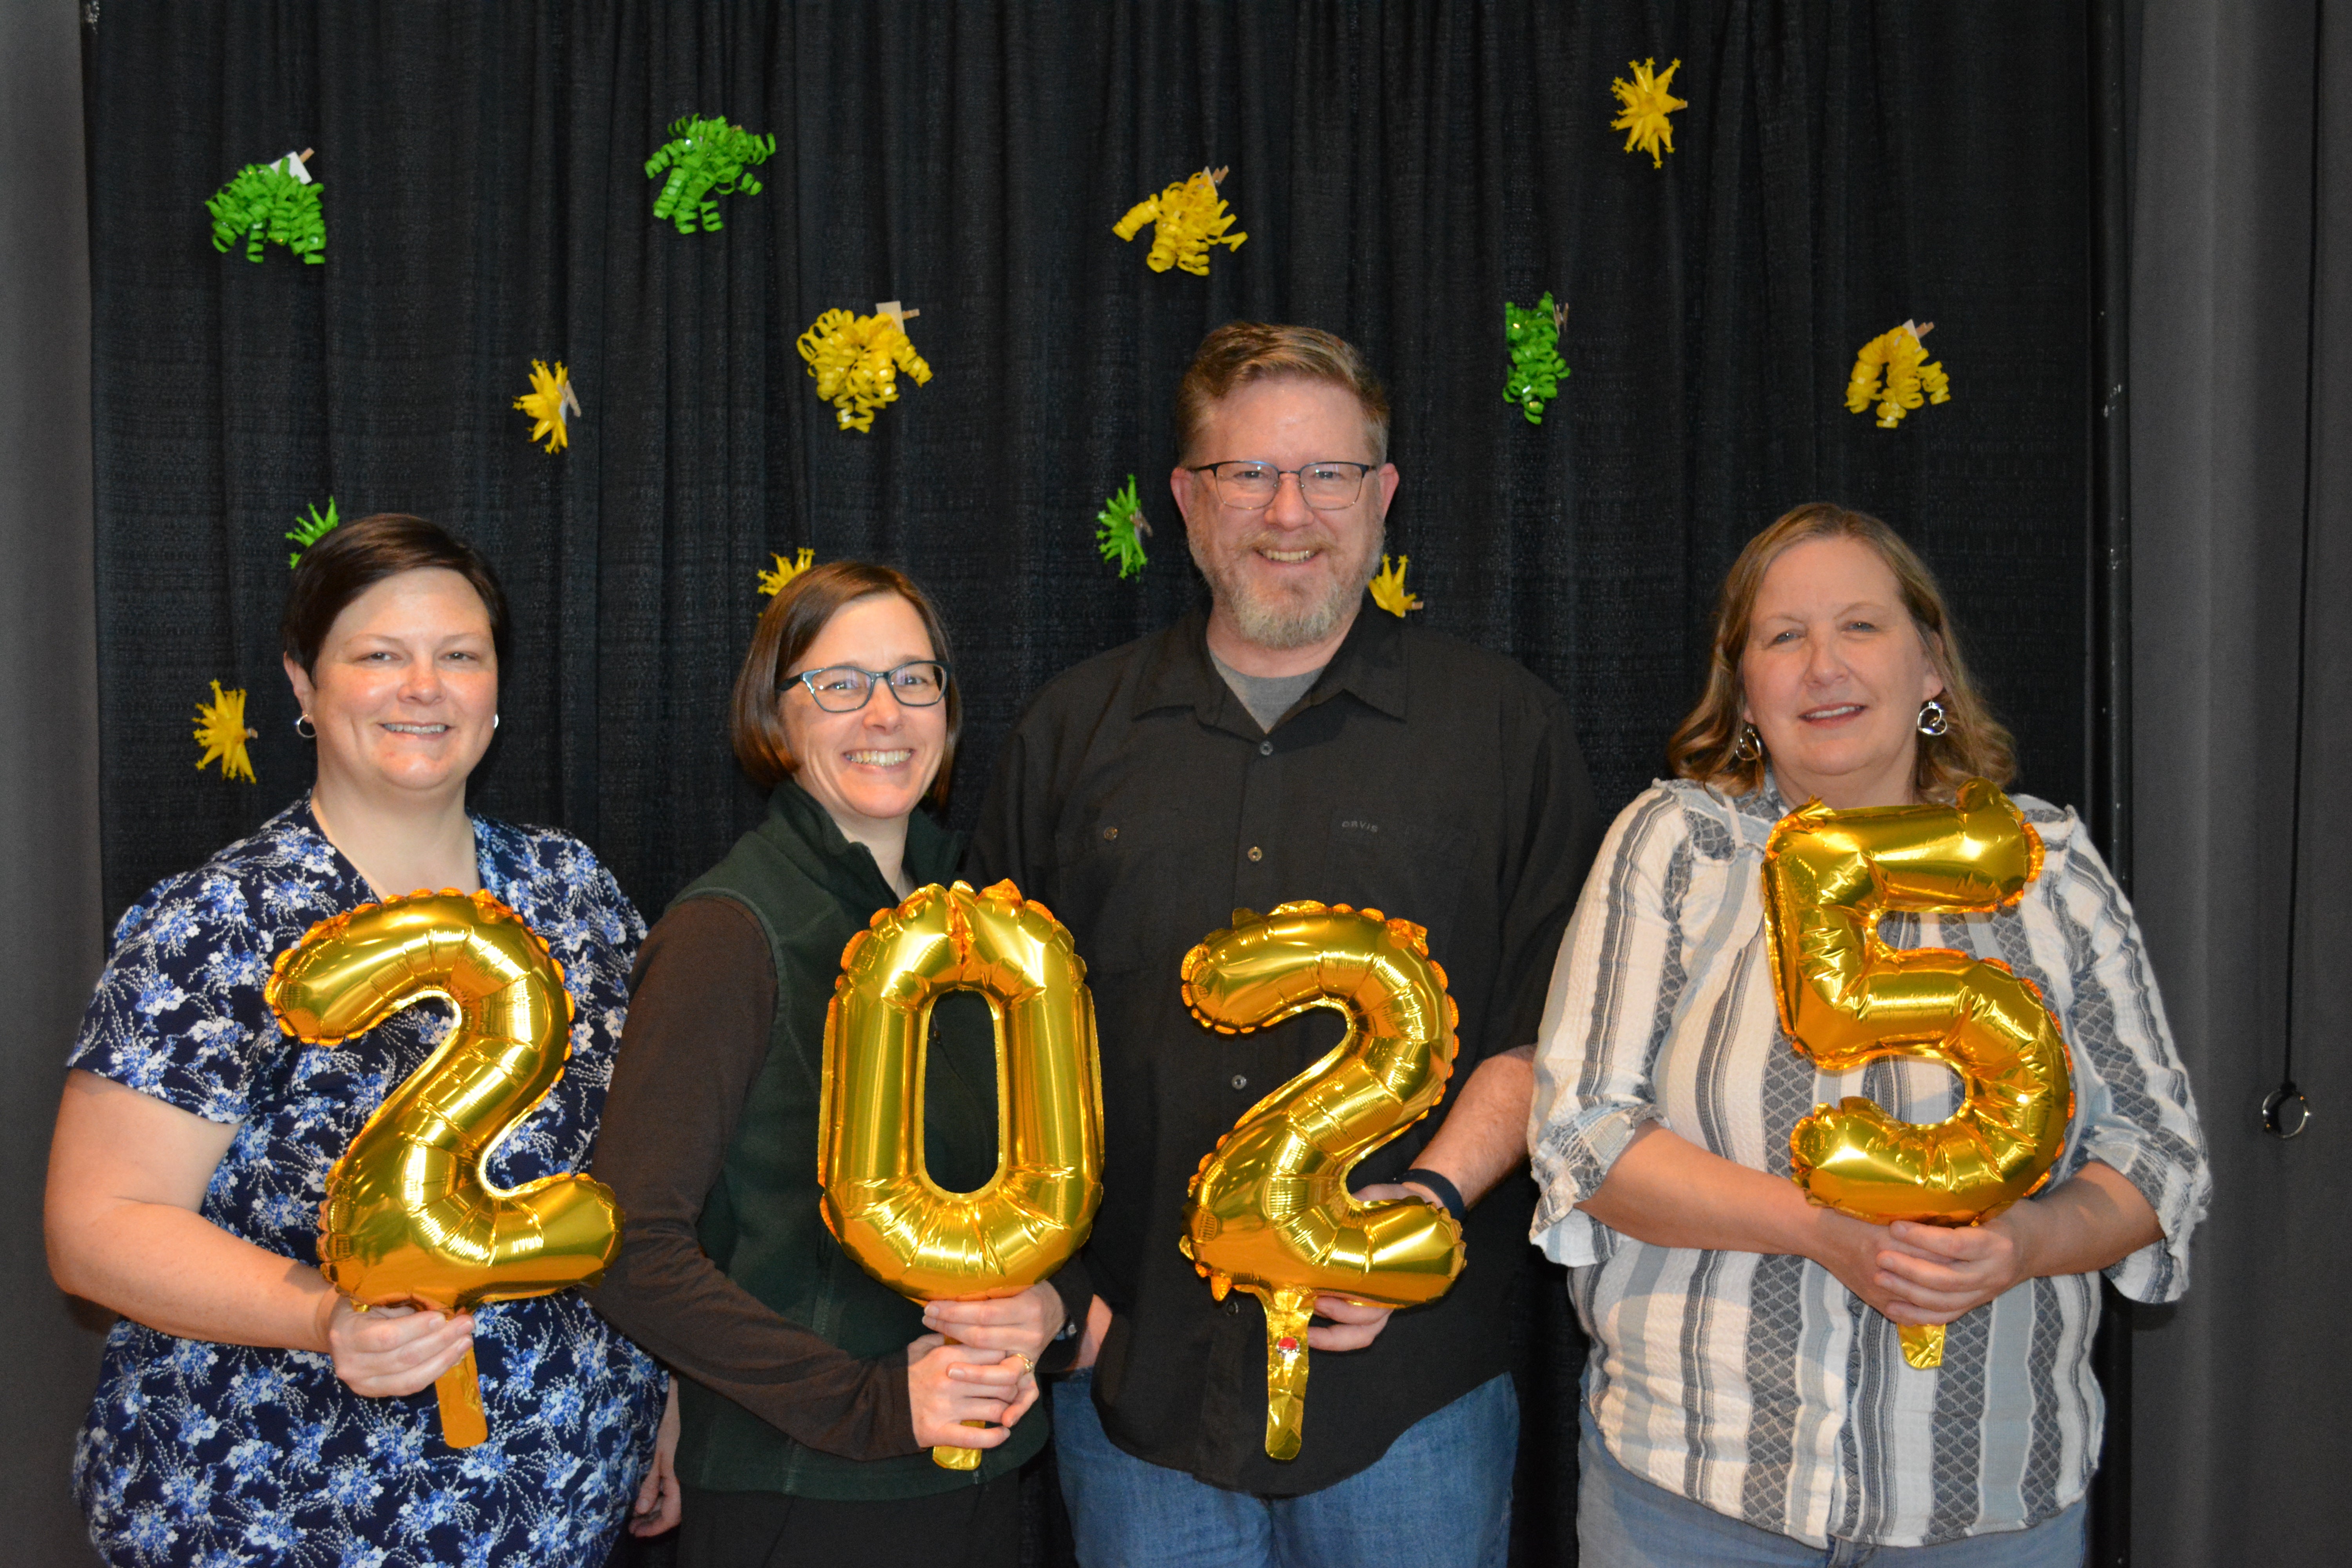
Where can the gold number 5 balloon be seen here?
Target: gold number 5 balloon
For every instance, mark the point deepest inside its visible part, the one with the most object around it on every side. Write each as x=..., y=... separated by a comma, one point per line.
x=880, y=1204
x=1847, y=999
x=1269, y=1210
x=409, y=1214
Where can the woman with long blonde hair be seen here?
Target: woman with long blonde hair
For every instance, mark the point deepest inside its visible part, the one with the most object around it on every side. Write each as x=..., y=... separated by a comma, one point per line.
x=1746, y=1400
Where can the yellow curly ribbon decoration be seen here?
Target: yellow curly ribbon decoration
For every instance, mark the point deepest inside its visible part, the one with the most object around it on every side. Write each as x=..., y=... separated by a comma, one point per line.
x=1191, y=218
x=549, y=398
x=773, y=583
x=220, y=727
x=1912, y=378
x=1388, y=588
x=857, y=359
x=1647, y=105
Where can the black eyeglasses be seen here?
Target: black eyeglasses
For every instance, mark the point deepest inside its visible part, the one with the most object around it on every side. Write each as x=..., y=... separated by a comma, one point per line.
x=845, y=687
x=1251, y=484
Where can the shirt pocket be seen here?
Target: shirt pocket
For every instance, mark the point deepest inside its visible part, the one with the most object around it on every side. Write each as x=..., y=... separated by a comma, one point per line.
x=1133, y=890
x=1407, y=869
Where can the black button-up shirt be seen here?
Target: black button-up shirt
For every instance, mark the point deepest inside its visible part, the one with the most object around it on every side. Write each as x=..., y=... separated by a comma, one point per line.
x=1140, y=802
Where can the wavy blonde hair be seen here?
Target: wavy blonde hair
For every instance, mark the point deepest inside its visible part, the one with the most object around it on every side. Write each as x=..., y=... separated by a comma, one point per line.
x=1705, y=745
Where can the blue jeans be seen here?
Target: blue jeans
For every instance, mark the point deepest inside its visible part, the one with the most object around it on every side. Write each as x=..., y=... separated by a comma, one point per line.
x=1440, y=1497
x=1624, y=1522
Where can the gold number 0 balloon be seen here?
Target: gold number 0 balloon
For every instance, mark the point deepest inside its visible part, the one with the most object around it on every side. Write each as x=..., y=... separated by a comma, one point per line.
x=880, y=1204
x=408, y=1214
x=1846, y=998
x=1269, y=1210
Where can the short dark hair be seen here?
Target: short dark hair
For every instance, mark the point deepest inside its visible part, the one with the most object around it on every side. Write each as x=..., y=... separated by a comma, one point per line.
x=793, y=620
x=358, y=555
x=1240, y=353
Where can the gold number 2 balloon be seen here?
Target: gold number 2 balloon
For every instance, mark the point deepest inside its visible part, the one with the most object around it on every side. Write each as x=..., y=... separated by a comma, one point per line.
x=1269, y=1210
x=880, y=1204
x=1847, y=999
x=409, y=1214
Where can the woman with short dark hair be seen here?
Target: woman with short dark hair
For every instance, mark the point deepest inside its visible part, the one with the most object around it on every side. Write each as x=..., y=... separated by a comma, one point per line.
x=246, y=1412
x=1747, y=1400
x=808, y=1389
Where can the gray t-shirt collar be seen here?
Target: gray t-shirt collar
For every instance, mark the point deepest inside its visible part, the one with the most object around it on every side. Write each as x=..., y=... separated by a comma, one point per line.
x=1267, y=697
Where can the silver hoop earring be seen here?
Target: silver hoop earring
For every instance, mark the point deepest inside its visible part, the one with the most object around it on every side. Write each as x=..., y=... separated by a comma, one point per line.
x=304, y=728
x=1932, y=720
x=1749, y=747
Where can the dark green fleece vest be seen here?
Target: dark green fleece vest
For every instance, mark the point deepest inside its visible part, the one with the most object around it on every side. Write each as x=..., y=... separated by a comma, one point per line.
x=810, y=888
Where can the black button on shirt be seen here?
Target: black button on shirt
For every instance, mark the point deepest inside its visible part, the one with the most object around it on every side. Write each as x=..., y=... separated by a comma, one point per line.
x=1138, y=799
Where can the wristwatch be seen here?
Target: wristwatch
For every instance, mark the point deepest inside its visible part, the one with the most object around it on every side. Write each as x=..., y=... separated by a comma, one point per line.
x=1447, y=1193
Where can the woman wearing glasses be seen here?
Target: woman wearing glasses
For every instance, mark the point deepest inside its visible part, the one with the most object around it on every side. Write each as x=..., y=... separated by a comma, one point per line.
x=809, y=1391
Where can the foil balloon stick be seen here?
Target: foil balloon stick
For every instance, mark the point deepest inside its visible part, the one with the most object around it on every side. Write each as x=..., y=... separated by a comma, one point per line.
x=881, y=1204
x=1847, y=999
x=409, y=1215
x=1269, y=1211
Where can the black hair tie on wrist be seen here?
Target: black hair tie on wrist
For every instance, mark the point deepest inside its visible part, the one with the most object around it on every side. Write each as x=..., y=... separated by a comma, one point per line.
x=1447, y=1193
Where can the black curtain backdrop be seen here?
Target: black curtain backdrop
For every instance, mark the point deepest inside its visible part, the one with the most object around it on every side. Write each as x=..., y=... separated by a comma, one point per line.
x=1399, y=169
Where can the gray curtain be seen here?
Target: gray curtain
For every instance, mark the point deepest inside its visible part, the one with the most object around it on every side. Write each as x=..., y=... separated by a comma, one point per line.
x=2241, y=1391
x=49, y=921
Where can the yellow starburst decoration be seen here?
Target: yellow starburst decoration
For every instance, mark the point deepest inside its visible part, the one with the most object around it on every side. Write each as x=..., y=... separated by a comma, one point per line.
x=1912, y=378
x=773, y=583
x=856, y=361
x=550, y=397
x=1191, y=218
x=220, y=727
x=1646, y=103
x=1388, y=588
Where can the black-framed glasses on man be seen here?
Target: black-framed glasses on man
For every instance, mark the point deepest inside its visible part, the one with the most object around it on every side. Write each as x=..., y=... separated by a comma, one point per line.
x=1249, y=484
x=845, y=687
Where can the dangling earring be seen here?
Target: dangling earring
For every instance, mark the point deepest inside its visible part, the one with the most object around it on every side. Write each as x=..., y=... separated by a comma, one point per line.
x=304, y=728
x=494, y=720
x=1749, y=747
x=1932, y=718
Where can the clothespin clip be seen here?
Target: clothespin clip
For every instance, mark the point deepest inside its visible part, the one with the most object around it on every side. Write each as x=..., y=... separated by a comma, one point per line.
x=899, y=314
x=1560, y=318
x=1217, y=176
x=1920, y=329
x=292, y=164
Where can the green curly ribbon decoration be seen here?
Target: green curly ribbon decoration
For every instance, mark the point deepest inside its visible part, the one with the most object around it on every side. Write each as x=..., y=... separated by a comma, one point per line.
x=1121, y=530
x=264, y=202
x=705, y=157
x=310, y=530
x=1533, y=337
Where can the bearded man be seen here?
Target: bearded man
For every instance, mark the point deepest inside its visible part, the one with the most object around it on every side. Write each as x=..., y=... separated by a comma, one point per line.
x=1293, y=742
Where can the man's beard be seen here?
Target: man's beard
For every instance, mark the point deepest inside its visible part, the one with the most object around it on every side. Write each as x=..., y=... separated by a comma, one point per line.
x=1279, y=621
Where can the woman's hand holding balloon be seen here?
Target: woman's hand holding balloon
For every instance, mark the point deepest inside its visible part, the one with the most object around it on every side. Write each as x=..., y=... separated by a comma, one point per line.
x=2084, y=1224
x=1942, y=1272
x=1021, y=1325
x=948, y=1385
x=387, y=1351
x=1867, y=1260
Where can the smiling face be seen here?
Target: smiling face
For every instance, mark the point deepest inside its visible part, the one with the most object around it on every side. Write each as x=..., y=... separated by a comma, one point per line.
x=1834, y=673
x=404, y=690
x=870, y=767
x=1289, y=576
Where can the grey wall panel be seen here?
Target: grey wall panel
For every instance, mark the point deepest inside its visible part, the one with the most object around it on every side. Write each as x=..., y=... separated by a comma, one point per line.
x=49, y=920
x=2240, y=1429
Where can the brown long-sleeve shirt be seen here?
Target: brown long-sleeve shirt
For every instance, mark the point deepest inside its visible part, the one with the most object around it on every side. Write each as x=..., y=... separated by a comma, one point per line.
x=704, y=997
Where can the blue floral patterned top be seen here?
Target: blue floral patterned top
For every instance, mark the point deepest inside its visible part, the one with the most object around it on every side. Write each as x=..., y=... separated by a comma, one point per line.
x=201, y=1454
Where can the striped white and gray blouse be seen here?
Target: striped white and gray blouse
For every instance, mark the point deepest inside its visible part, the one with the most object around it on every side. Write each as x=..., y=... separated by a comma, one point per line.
x=1758, y=1385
